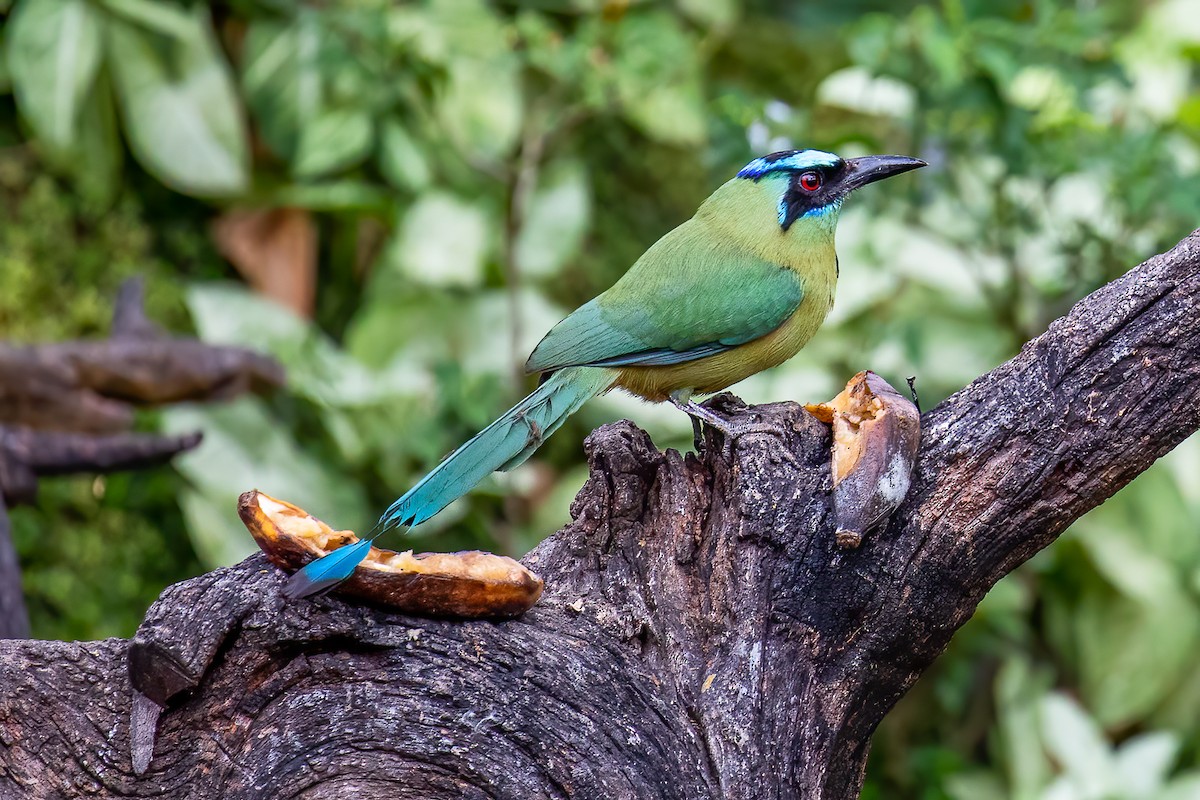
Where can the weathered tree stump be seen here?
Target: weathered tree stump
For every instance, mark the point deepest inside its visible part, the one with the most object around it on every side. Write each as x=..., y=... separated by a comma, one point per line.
x=701, y=635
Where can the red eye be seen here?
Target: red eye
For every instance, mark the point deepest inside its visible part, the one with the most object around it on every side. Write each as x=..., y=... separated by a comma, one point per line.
x=810, y=181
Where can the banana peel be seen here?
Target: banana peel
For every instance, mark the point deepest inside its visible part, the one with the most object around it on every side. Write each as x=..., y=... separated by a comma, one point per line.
x=876, y=434
x=465, y=585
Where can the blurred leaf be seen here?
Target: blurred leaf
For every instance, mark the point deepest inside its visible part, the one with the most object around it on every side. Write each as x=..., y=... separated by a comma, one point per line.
x=718, y=14
x=657, y=75
x=335, y=195
x=1018, y=691
x=160, y=16
x=333, y=140
x=1132, y=653
x=317, y=368
x=282, y=79
x=97, y=168
x=854, y=88
x=53, y=49
x=246, y=448
x=482, y=107
x=975, y=786
x=1077, y=744
x=1135, y=648
x=1186, y=787
x=181, y=113
x=402, y=331
x=442, y=241
x=5, y=71
x=1143, y=763
x=555, y=222
x=400, y=160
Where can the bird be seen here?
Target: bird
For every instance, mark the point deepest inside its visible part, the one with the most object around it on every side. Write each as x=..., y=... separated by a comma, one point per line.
x=740, y=287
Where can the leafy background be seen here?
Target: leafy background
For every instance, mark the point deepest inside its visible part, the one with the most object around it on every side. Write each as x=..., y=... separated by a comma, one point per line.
x=397, y=199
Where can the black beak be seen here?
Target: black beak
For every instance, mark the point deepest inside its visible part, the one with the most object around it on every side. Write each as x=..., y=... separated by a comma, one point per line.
x=868, y=169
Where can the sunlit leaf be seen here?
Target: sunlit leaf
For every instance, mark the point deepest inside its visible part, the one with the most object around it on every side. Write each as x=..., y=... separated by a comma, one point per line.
x=1133, y=649
x=1143, y=763
x=180, y=110
x=976, y=786
x=400, y=160
x=854, y=88
x=1019, y=689
x=317, y=368
x=167, y=18
x=333, y=140
x=442, y=241
x=54, y=50
x=482, y=106
x=282, y=78
x=554, y=223
x=1077, y=744
x=657, y=78
x=718, y=14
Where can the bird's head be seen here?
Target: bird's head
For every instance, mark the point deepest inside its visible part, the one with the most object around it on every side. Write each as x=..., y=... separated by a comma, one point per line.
x=813, y=184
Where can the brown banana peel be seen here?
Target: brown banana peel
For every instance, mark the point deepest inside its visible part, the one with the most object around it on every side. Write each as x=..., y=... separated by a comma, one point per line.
x=465, y=585
x=876, y=433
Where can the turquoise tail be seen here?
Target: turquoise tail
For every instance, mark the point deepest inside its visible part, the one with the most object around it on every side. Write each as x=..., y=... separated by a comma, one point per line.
x=504, y=444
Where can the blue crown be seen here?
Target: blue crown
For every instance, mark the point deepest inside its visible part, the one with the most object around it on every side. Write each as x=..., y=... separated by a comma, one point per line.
x=788, y=160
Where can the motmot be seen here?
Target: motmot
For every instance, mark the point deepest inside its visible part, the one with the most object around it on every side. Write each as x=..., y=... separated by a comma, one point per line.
x=740, y=287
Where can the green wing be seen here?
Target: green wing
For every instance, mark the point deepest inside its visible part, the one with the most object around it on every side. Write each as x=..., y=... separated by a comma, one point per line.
x=689, y=296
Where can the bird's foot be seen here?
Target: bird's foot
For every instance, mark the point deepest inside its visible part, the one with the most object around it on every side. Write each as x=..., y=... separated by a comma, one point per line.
x=731, y=431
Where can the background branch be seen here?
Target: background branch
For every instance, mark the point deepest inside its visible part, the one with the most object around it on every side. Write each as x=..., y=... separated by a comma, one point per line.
x=68, y=407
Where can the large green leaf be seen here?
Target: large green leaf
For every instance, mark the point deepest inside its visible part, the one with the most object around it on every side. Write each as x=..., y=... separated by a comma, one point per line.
x=333, y=140
x=657, y=72
x=162, y=17
x=482, y=106
x=317, y=368
x=555, y=222
x=54, y=50
x=100, y=154
x=400, y=159
x=180, y=109
x=1018, y=691
x=442, y=240
x=1136, y=646
x=282, y=78
x=1078, y=745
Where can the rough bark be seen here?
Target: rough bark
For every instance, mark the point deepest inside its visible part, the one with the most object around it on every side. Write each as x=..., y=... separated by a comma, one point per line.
x=701, y=635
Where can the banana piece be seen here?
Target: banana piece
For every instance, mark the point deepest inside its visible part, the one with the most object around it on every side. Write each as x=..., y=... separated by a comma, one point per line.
x=876, y=433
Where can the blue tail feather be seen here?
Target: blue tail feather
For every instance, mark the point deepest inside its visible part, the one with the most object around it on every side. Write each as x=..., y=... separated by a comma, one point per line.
x=503, y=445
x=327, y=571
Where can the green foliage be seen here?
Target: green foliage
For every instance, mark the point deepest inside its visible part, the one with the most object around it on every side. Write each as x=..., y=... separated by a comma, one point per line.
x=475, y=170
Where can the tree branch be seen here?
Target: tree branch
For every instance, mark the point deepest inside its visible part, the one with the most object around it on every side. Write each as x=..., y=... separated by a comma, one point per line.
x=701, y=634
x=67, y=408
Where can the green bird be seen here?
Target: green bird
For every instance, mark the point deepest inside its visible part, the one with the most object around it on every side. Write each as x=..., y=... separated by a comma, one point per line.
x=738, y=288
